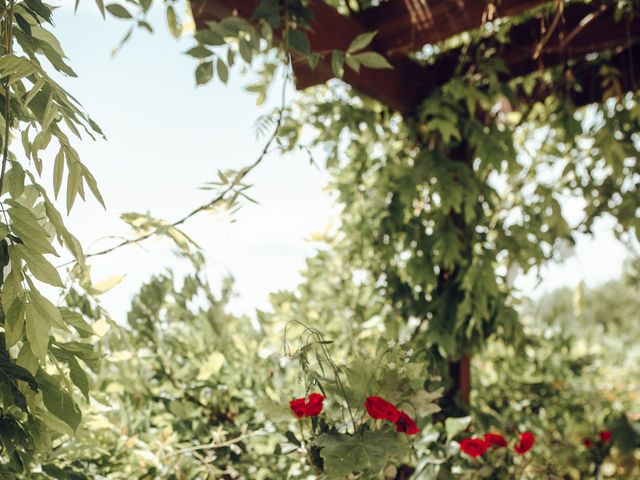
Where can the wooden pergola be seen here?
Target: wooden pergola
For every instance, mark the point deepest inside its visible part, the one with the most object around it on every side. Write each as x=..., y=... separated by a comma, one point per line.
x=571, y=35
x=553, y=34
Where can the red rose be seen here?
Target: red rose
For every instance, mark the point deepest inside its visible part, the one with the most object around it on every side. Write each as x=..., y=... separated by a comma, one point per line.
x=587, y=442
x=495, y=439
x=301, y=407
x=474, y=447
x=380, y=409
x=314, y=405
x=526, y=442
x=298, y=407
x=405, y=424
x=605, y=436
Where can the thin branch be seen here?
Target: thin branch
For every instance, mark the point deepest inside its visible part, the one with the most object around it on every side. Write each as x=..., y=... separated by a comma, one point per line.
x=212, y=445
x=220, y=197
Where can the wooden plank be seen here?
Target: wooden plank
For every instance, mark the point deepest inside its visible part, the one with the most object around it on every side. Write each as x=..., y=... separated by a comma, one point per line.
x=404, y=26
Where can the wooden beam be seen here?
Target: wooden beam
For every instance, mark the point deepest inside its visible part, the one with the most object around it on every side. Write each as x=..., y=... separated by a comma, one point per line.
x=404, y=26
x=536, y=44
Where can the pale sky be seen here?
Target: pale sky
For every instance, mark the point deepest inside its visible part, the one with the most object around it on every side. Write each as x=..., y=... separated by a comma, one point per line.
x=166, y=138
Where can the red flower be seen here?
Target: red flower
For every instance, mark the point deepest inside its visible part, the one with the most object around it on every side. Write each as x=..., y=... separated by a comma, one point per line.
x=526, y=442
x=474, y=447
x=301, y=407
x=587, y=442
x=495, y=439
x=405, y=424
x=298, y=407
x=605, y=436
x=380, y=409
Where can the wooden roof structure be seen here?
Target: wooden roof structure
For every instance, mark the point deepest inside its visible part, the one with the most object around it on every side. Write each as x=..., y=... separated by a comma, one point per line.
x=571, y=34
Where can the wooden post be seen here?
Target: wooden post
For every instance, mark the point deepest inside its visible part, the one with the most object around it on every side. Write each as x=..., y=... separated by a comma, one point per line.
x=460, y=372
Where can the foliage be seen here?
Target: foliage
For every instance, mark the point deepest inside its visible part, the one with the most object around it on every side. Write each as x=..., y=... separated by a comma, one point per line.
x=46, y=351
x=440, y=210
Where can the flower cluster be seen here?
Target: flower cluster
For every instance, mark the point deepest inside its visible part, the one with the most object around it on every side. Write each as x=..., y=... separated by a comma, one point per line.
x=377, y=407
x=302, y=407
x=380, y=409
x=476, y=447
x=603, y=438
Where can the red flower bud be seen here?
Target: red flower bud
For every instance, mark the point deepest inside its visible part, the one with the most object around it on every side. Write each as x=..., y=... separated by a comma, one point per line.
x=587, y=442
x=380, y=409
x=495, y=439
x=474, y=447
x=526, y=442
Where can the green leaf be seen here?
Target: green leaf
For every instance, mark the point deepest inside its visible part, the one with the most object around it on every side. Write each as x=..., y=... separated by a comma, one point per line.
x=100, y=4
x=73, y=182
x=78, y=376
x=15, y=180
x=223, y=72
x=372, y=60
x=455, y=425
x=14, y=371
x=14, y=322
x=37, y=333
x=337, y=63
x=352, y=63
x=58, y=172
x=57, y=401
x=77, y=321
x=199, y=51
x=45, y=308
x=209, y=37
x=245, y=50
x=106, y=285
x=211, y=366
x=172, y=22
x=298, y=41
x=204, y=73
x=93, y=185
x=361, y=41
x=39, y=266
x=369, y=452
x=118, y=10
x=25, y=225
